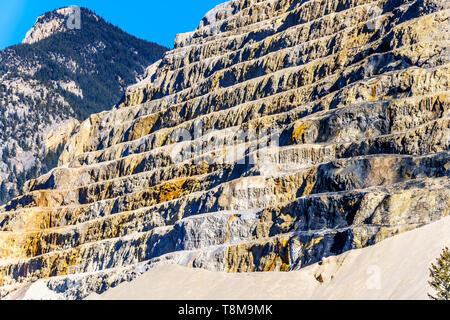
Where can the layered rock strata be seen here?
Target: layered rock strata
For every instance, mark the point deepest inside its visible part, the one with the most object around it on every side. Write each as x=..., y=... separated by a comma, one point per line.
x=355, y=95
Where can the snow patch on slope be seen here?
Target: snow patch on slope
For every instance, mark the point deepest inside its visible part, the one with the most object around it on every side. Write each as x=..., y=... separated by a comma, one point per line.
x=396, y=268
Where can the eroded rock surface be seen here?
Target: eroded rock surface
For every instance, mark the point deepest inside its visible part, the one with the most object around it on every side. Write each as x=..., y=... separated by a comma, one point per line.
x=357, y=93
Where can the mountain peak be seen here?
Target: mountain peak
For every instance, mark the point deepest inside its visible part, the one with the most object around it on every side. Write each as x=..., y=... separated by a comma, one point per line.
x=57, y=21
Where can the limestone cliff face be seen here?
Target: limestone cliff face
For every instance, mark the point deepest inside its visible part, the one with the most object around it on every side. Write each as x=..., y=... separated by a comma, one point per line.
x=356, y=95
x=47, y=26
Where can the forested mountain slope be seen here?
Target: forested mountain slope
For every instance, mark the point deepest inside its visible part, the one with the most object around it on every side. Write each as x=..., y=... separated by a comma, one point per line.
x=56, y=78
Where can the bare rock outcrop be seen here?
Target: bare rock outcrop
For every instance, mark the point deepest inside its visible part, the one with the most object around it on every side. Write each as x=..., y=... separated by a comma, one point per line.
x=278, y=133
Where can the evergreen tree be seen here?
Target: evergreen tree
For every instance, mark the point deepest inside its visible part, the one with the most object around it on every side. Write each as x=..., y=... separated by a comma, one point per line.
x=3, y=192
x=440, y=276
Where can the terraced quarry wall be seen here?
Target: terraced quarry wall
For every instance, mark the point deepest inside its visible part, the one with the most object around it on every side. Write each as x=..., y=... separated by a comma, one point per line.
x=276, y=134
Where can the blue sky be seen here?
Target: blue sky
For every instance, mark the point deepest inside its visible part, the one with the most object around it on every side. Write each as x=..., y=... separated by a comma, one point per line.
x=153, y=20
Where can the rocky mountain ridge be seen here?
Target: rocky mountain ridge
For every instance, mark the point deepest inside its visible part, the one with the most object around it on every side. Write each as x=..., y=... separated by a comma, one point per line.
x=63, y=72
x=355, y=95
x=52, y=23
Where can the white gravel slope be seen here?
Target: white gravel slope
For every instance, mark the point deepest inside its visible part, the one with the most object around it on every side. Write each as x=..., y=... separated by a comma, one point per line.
x=396, y=268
